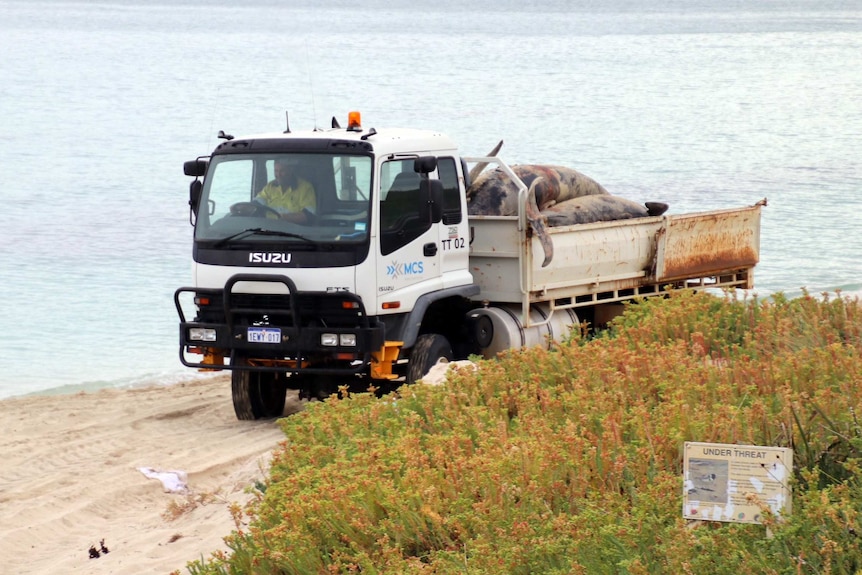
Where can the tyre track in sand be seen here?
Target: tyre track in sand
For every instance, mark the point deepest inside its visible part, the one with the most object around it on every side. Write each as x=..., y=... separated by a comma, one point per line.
x=69, y=476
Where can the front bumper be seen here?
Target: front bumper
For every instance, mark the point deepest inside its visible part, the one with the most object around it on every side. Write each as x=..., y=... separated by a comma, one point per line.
x=284, y=331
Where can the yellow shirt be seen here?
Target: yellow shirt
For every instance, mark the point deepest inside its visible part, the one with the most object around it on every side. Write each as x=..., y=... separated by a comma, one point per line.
x=288, y=200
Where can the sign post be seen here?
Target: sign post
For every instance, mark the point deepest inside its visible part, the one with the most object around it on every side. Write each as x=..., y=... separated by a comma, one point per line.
x=728, y=482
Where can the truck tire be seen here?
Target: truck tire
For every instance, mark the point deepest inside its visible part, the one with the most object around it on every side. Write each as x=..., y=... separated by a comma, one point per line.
x=257, y=395
x=429, y=349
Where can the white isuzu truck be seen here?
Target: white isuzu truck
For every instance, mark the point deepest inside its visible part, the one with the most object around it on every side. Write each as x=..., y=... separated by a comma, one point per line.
x=389, y=273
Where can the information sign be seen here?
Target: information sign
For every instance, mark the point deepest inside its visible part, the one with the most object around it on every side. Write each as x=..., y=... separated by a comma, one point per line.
x=728, y=482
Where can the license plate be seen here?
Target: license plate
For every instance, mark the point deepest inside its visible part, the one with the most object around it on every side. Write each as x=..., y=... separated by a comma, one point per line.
x=264, y=335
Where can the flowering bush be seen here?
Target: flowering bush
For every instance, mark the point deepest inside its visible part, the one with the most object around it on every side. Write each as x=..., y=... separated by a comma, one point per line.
x=569, y=459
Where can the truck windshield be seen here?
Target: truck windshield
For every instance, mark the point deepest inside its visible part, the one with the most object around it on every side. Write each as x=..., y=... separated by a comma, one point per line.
x=267, y=193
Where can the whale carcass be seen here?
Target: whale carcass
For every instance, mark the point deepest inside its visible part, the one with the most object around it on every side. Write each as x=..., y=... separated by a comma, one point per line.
x=558, y=196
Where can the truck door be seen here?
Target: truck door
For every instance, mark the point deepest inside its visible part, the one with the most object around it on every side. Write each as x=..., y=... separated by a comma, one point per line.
x=409, y=243
x=454, y=229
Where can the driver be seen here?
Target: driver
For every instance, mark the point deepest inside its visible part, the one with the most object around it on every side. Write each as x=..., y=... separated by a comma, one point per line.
x=288, y=194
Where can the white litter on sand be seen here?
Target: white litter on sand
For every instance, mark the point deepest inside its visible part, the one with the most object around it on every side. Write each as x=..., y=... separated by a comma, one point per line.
x=172, y=481
x=437, y=374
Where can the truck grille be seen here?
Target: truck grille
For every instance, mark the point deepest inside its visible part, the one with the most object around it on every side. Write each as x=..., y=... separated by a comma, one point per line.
x=312, y=309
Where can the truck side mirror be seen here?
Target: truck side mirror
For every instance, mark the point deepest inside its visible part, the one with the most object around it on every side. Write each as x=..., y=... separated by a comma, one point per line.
x=196, y=168
x=432, y=192
x=425, y=164
x=195, y=189
x=466, y=171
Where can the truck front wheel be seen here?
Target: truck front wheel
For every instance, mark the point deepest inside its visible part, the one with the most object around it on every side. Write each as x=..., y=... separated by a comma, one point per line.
x=429, y=349
x=257, y=395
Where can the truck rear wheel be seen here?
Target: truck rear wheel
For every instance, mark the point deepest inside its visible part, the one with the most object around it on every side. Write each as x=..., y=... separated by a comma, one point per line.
x=256, y=394
x=429, y=349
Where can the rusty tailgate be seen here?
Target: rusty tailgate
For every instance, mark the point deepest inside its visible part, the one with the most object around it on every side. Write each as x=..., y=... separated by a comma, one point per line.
x=708, y=243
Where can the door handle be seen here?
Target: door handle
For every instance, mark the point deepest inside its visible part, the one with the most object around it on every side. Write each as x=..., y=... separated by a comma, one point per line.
x=429, y=250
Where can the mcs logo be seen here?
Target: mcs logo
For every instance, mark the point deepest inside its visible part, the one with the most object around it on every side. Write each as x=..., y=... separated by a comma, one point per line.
x=396, y=270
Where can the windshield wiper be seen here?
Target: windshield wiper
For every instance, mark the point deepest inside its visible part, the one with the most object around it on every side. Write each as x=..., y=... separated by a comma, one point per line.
x=260, y=232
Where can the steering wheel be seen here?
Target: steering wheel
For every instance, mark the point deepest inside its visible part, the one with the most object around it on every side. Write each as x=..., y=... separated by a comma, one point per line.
x=252, y=209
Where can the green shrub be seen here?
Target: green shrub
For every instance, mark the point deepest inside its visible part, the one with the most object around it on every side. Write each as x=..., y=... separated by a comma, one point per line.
x=569, y=460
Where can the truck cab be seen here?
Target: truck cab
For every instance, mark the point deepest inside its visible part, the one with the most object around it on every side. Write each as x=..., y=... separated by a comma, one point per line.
x=343, y=297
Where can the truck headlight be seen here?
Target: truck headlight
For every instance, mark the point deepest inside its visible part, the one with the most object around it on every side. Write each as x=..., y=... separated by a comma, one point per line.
x=202, y=334
x=334, y=339
x=329, y=339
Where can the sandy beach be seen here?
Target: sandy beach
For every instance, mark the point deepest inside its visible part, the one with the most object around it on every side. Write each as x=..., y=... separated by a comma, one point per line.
x=70, y=477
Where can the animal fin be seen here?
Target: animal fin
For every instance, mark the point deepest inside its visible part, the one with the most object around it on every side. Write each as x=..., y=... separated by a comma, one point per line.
x=656, y=208
x=537, y=222
x=477, y=169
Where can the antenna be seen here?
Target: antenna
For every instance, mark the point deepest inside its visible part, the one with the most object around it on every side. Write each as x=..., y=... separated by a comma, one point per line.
x=286, y=123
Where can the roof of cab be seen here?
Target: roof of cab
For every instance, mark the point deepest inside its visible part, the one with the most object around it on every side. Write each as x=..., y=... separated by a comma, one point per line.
x=383, y=141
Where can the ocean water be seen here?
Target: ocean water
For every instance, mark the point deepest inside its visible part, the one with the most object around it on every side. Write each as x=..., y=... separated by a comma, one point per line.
x=701, y=104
